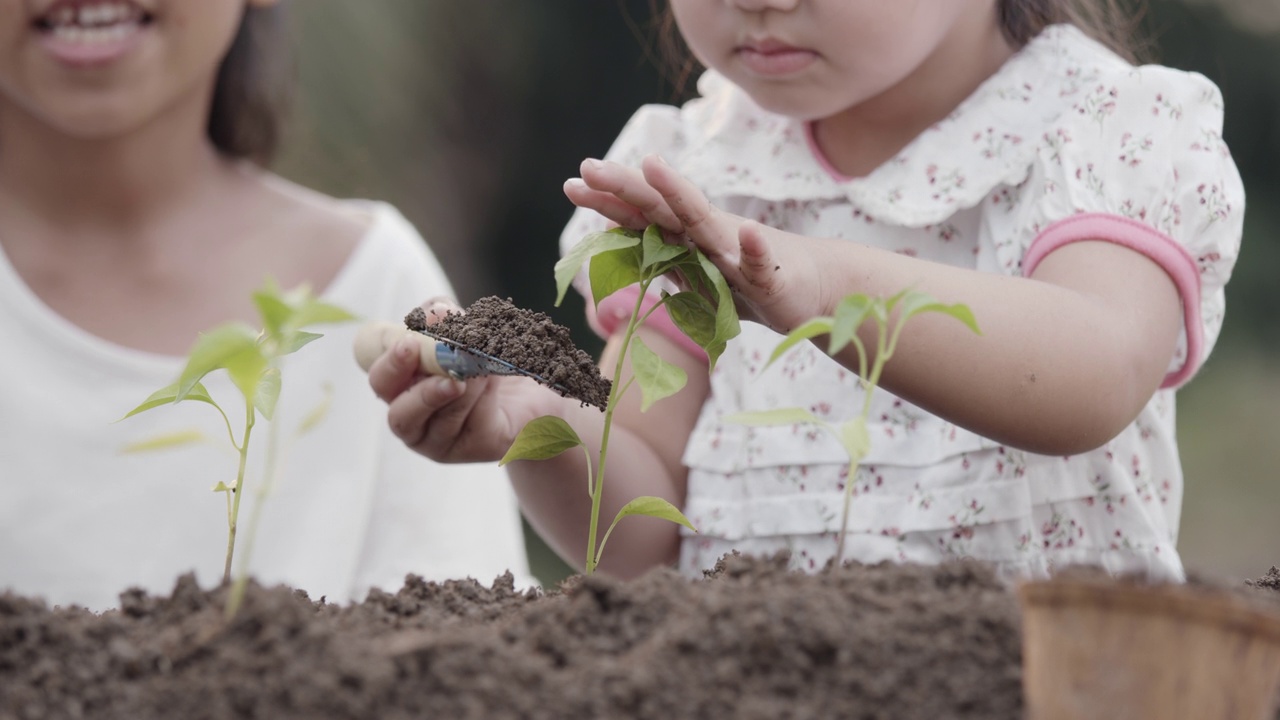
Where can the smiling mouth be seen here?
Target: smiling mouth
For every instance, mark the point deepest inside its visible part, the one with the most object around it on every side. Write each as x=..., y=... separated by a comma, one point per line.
x=92, y=21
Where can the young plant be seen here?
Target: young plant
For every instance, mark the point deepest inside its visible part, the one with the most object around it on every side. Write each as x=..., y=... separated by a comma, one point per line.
x=620, y=258
x=842, y=327
x=251, y=359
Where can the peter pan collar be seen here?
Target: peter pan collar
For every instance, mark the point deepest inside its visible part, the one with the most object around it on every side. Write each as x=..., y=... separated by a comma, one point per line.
x=988, y=141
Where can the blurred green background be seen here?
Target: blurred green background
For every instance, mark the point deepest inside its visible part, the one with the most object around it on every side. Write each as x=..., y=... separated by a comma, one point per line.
x=469, y=115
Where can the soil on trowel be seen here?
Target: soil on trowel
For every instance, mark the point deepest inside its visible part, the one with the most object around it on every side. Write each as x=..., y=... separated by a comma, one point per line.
x=752, y=640
x=524, y=338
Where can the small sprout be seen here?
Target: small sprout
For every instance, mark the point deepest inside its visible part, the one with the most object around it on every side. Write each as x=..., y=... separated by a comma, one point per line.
x=620, y=258
x=250, y=358
x=842, y=329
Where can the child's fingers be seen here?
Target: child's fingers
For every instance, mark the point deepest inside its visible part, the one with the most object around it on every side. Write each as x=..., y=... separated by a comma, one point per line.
x=695, y=212
x=411, y=414
x=607, y=204
x=629, y=186
x=395, y=370
x=760, y=266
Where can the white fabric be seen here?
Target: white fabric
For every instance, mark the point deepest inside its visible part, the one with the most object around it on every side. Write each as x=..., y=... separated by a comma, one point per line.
x=353, y=509
x=1065, y=127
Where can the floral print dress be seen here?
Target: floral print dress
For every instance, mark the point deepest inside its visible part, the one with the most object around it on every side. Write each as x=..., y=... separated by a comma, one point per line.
x=1065, y=142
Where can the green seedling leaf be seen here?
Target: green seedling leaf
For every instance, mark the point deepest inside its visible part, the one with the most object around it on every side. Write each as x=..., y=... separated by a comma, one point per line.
x=656, y=250
x=694, y=315
x=316, y=312
x=854, y=438
x=658, y=378
x=612, y=270
x=650, y=506
x=169, y=395
x=214, y=350
x=848, y=317
x=272, y=308
x=780, y=416
x=268, y=392
x=225, y=487
x=916, y=303
x=653, y=507
x=691, y=272
x=727, y=327
x=246, y=369
x=165, y=441
x=318, y=413
x=297, y=340
x=542, y=438
x=811, y=329
x=569, y=265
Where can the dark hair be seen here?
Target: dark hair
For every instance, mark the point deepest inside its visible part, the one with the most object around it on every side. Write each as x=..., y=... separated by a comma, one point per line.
x=1114, y=23
x=252, y=92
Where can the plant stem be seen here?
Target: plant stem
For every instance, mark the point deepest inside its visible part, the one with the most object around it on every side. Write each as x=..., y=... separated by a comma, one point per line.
x=869, y=383
x=593, y=557
x=264, y=489
x=239, y=490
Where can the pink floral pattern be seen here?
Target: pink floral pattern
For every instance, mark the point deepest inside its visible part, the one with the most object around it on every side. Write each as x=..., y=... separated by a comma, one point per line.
x=1065, y=127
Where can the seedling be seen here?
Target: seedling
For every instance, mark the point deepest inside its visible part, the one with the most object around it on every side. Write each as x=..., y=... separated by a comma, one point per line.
x=251, y=359
x=842, y=327
x=705, y=312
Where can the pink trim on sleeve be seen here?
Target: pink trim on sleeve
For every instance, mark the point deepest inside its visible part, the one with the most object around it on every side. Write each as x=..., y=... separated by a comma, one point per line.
x=1164, y=250
x=615, y=310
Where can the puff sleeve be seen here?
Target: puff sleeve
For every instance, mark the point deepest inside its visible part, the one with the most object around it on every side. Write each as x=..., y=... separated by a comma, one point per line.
x=1138, y=159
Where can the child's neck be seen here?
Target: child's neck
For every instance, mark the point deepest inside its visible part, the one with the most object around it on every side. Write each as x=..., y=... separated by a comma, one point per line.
x=860, y=139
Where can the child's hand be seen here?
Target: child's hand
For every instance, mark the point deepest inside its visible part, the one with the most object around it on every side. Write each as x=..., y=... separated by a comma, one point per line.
x=775, y=275
x=450, y=420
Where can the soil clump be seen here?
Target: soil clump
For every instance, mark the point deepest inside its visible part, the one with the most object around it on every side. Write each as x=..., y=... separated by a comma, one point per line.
x=527, y=339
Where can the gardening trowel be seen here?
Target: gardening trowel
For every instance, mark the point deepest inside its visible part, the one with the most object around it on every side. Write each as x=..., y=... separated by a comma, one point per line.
x=436, y=356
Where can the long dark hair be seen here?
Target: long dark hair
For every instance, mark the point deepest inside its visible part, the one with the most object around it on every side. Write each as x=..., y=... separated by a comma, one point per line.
x=254, y=86
x=1114, y=23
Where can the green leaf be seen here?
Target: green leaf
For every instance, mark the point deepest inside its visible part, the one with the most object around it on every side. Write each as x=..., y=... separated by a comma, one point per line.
x=612, y=270
x=268, y=392
x=168, y=395
x=658, y=378
x=213, y=350
x=692, y=273
x=727, y=327
x=296, y=340
x=569, y=265
x=813, y=328
x=854, y=438
x=272, y=308
x=316, y=312
x=779, y=416
x=165, y=441
x=653, y=507
x=225, y=487
x=694, y=315
x=542, y=438
x=656, y=250
x=915, y=303
x=848, y=317
x=246, y=369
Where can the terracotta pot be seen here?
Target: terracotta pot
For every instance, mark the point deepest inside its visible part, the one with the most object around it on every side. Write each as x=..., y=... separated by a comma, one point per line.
x=1100, y=649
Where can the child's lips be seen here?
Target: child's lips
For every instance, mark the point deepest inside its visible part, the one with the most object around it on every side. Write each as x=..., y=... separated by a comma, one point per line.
x=87, y=33
x=773, y=58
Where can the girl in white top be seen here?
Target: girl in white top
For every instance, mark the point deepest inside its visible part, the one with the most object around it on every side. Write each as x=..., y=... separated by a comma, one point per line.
x=132, y=217
x=987, y=152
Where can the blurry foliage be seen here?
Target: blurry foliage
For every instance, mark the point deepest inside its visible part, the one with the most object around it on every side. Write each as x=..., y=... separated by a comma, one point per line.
x=469, y=116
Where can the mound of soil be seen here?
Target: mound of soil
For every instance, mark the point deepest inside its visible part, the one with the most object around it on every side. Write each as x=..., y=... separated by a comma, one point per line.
x=751, y=641
x=524, y=338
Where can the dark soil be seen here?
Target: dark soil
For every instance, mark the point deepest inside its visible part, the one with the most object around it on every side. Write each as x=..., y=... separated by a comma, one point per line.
x=754, y=641
x=1270, y=581
x=524, y=338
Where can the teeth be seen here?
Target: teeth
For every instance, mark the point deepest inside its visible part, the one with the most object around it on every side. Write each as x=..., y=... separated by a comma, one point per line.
x=95, y=15
x=92, y=35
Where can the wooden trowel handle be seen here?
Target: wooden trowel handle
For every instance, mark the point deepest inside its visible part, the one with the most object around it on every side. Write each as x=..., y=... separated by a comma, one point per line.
x=375, y=338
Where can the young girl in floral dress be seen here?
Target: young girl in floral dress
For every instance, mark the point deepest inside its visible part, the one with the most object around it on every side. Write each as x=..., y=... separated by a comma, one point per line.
x=987, y=152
